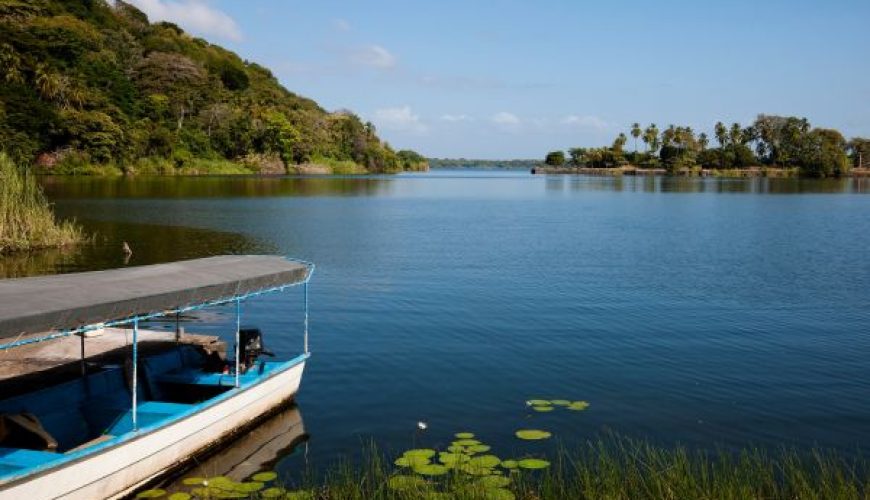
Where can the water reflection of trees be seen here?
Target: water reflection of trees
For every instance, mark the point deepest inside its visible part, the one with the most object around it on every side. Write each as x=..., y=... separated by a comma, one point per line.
x=151, y=244
x=664, y=184
x=213, y=187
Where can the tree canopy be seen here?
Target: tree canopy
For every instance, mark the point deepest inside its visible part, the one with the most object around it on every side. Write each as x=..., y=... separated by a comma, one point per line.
x=774, y=141
x=94, y=82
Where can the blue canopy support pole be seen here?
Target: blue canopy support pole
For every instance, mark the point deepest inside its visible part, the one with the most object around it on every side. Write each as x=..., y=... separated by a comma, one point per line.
x=83, y=367
x=305, y=291
x=238, y=335
x=135, y=373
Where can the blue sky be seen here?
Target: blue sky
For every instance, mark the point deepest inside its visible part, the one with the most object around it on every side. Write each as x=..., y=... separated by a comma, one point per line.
x=514, y=79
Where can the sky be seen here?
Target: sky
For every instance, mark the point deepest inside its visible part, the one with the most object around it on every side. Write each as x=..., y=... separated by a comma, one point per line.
x=505, y=79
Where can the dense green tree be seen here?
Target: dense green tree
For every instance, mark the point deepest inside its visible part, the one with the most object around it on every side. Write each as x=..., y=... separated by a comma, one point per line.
x=96, y=81
x=859, y=151
x=555, y=158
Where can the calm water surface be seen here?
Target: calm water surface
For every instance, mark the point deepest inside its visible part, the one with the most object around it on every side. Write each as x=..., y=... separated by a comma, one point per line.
x=698, y=311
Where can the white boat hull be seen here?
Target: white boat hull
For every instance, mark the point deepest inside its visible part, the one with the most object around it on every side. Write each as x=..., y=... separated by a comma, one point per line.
x=119, y=470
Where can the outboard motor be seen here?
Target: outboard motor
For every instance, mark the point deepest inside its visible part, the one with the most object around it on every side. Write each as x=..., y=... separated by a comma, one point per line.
x=251, y=346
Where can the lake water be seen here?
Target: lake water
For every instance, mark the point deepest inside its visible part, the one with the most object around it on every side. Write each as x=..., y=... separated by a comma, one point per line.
x=698, y=311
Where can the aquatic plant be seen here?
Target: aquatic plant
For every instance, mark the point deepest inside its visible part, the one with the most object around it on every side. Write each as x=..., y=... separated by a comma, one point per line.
x=26, y=219
x=532, y=434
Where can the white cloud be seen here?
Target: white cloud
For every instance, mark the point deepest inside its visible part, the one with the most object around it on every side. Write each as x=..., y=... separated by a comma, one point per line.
x=373, y=56
x=194, y=15
x=456, y=118
x=506, y=120
x=585, y=122
x=341, y=24
x=400, y=119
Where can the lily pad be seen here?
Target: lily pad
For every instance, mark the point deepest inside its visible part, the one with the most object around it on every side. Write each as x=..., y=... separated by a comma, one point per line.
x=273, y=492
x=406, y=483
x=431, y=470
x=421, y=452
x=578, y=406
x=533, y=463
x=249, y=487
x=156, y=493
x=455, y=449
x=452, y=458
x=543, y=408
x=194, y=481
x=221, y=482
x=179, y=496
x=485, y=461
x=478, y=448
x=464, y=435
x=494, y=481
x=538, y=402
x=412, y=461
x=560, y=402
x=475, y=470
x=465, y=442
x=264, y=477
x=532, y=434
x=510, y=464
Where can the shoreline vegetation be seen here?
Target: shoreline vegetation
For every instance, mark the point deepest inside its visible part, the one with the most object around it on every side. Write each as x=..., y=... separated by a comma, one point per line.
x=26, y=219
x=772, y=146
x=95, y=88
x=611, y=467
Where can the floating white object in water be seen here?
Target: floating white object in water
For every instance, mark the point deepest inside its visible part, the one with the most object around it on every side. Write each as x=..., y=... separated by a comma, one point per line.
x=422, y=426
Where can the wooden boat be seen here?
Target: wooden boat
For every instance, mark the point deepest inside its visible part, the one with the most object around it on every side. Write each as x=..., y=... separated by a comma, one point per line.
x=105, y=434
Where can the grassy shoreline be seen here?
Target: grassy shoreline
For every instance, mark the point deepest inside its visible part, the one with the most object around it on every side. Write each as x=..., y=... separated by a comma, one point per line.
x=254, y=165
x=26, y=219
x=612, y=467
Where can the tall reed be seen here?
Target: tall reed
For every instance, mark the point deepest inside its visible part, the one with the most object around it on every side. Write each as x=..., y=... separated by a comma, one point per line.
x=26, y=219
x=615, y=468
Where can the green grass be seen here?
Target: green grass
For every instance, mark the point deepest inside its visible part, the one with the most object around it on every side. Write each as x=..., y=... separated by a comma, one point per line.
x=611, y=468
x=623, y=469
x=26, y=219
x=339, y=167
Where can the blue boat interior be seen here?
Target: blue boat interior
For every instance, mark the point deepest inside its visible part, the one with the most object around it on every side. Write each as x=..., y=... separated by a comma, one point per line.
x=75, y=417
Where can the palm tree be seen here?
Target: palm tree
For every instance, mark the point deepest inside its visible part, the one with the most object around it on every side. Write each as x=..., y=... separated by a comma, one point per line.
x=635, y=132
x=651, y=137
x=721, y=134
x=619, y=143
x=703, y=141
x=736, y=134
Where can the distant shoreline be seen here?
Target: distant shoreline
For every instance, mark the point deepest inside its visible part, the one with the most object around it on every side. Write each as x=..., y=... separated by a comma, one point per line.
x=768, y=172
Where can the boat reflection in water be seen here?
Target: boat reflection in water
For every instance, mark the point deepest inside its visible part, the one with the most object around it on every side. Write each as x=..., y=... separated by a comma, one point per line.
x=259, y=449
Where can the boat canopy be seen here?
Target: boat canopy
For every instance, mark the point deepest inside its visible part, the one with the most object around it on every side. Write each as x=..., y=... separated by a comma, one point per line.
x=68, y=302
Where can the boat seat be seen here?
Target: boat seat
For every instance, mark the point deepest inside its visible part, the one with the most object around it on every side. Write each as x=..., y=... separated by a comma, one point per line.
x=148, y=414
x=16, y=460
x=196, y=376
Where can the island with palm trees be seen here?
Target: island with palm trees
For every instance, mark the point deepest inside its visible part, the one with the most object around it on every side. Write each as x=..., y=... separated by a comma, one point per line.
x=773, y=146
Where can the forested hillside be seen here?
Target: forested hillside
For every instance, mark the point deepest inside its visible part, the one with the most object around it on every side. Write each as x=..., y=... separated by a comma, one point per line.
x=92, y=87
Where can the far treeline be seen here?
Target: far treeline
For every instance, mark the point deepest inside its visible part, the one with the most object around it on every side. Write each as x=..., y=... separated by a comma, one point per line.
x=460, y=163
x=787, y=143
x=94, y=87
